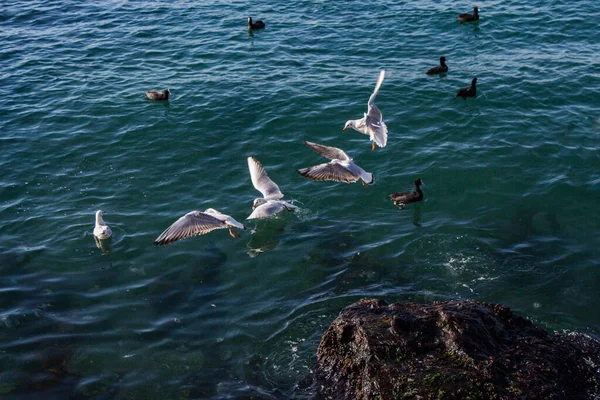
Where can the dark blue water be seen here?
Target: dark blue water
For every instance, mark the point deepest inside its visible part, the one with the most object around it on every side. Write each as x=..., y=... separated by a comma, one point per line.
x=511, y=198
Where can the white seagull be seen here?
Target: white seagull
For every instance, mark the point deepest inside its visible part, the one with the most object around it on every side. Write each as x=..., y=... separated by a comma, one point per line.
x=101, y=230
x=341, y=168
x=270, y=204
x=372, y=123
x=198, y=223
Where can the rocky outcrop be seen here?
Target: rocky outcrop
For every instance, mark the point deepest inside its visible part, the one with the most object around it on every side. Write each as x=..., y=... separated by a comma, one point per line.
x=452, y=350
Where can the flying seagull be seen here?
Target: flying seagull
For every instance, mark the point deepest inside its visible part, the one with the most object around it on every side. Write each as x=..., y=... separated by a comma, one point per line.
x=372, y=122
x=341, y=168
x=270, y=204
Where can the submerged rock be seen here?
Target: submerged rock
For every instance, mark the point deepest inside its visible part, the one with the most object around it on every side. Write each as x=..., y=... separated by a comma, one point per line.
x=451, y=350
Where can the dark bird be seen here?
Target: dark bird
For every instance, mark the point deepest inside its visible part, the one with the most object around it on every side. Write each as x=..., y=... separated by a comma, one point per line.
x=470, y=91
x=255, y=25
x=440, y=69
x=401, y=198
x=156, y=95
x=469, y=17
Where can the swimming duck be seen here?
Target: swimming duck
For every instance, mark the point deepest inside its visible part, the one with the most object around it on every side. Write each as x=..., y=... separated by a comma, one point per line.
x=469, y=17
x=470, y=91
x=255, y=25
x=198, y=223
x=101, y=230
x=401, y=198
x=157, y=95
x=440, y=68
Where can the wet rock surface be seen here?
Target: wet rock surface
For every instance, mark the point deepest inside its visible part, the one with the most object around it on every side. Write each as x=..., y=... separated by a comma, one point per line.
x=451, y=350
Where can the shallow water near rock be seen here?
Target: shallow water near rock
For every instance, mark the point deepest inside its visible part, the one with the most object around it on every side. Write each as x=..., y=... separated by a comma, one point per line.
x=510, y=213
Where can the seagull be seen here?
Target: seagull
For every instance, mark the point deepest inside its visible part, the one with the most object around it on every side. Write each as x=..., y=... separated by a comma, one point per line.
x=372, y=123
x=156, y=95
x=101, y=230
x=341, y=168
x=255, y=25
x=270, y=204
x=198, y=223
x=469, y=17
x=470, y=91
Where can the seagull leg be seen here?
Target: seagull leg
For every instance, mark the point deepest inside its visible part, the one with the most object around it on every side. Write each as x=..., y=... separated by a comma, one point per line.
x=372, y=146
x=233, y=233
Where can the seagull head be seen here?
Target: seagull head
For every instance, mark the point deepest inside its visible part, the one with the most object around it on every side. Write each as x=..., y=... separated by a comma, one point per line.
x=349, y=124
x=258, y=202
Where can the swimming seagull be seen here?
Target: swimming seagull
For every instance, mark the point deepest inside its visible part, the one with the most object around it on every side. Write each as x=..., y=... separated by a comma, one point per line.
x=270, y=204
x=341, y=168
x=101, y=230
x=372, y=123
x=156, y=95
x=198, y=223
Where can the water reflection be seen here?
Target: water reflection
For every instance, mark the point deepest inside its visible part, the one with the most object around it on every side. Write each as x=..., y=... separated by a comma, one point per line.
x=264, y=236
x=104, y=245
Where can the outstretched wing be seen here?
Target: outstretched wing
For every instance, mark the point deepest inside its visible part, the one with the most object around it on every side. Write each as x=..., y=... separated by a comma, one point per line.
x=333, y=153
x=378, y=131
x=191, y=224
x=373, y=111
x=261, y=180
x=328, y=172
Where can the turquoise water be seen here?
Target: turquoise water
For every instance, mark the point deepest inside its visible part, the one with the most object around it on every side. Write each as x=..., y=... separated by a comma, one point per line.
x=511, y=198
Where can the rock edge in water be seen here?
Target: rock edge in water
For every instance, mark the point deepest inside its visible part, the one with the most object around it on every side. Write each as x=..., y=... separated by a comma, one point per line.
x=451, y=350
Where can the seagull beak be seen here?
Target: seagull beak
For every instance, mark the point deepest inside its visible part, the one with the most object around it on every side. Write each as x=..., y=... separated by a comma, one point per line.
x=344, y=128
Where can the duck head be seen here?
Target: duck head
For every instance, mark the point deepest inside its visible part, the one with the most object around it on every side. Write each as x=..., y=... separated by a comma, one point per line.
x=474, y=81
x=442, y=60
x=419, y=182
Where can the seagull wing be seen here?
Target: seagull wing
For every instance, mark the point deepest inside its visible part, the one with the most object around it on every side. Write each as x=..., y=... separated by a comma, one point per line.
x=261, y=180
x=333, y=153
x=328, y=172
x=373, y=111
x=191, y=224
x=229, y=221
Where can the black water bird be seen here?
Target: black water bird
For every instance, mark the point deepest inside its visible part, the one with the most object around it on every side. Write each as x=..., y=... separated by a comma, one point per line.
x=255, y=25
x=469, y=17
x=157, y=95
x=400, y=199
x=440, y=69
x=470, y=91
